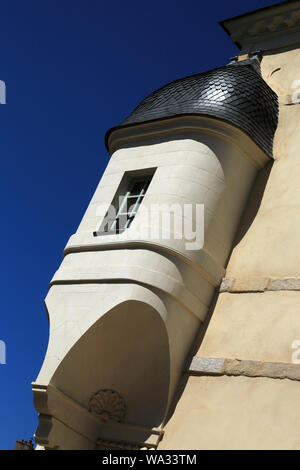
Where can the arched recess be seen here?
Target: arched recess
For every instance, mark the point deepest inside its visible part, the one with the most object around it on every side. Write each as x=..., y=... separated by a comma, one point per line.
x=127, y=351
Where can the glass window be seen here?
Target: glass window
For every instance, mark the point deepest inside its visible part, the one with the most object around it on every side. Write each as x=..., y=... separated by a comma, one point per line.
x=125, y=204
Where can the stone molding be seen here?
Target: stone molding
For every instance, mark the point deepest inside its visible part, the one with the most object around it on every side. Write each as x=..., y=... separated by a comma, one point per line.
x=259, y=284
x=143, y=133
x=57, y=412
x=107, y=444
x=238, y=367
x=85, y=242
x=270, y=27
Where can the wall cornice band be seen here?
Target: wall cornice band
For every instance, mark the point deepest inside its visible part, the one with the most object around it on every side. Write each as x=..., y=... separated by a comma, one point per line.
x=259, y=284
x=267, y=28
x=187, y=126
x=239, y=367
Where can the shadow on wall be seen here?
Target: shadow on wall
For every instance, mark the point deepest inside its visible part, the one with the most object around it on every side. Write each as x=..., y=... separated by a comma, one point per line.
x=253, y=203
x=248, y=216
x=127, y=351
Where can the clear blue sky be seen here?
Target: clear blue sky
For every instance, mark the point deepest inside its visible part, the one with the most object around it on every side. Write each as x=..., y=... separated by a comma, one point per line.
x=74, y=68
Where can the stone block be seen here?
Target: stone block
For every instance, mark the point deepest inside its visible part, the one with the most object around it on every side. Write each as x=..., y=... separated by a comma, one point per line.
x=286, y=283
x=207, y=365
x=256, y=284
x=226, y=284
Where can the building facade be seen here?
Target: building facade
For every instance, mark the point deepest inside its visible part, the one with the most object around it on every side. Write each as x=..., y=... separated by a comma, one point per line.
x=174, y=318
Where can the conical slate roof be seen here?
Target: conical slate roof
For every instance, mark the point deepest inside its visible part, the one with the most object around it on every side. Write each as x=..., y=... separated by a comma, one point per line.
x=235, y=94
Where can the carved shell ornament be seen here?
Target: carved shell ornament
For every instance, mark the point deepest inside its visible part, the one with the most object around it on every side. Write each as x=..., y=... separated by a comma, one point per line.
x=109, y=405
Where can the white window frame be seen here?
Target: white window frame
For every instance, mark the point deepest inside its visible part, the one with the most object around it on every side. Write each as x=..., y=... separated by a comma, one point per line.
x=128, y=205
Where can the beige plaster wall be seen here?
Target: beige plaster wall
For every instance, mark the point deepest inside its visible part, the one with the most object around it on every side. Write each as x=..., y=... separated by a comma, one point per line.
x=263, y=325
x=235, y=413
x=254, y=326
x=269, y=247
x=271, y=244
x=254, y=413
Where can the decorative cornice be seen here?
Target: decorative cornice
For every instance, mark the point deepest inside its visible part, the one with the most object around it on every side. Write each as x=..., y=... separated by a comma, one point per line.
x=110, y=444
x=272, y=24
x=192, y=125
x=54, y=407
x=271, y=27
x=85, y=242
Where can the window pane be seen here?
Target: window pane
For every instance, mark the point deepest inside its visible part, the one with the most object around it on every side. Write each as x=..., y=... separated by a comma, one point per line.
x=137, y=187
x=133, y=204
x=127, y=202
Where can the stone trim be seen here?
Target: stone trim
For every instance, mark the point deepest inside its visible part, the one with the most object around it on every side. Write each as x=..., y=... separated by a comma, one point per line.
x=145, y=132
x=238, y=367
x=56, y=409
x=259, y=284
x=110, y=444
x=277, y=25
